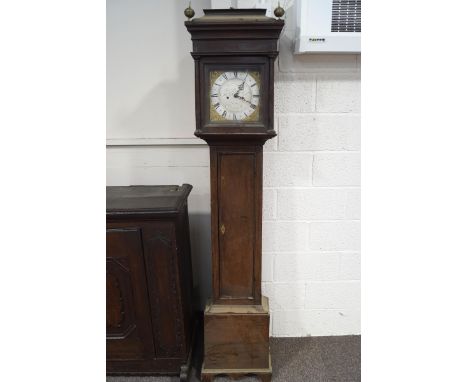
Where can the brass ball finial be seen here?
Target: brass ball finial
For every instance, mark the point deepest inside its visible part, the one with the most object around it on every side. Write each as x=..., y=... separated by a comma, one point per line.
x=189, y=12
x=279, y=12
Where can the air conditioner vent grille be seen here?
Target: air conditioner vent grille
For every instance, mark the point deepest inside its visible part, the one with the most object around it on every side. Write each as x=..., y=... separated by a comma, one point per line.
x=346, y=16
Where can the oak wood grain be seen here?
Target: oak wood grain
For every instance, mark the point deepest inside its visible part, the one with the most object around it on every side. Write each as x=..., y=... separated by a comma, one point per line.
x=149, y=286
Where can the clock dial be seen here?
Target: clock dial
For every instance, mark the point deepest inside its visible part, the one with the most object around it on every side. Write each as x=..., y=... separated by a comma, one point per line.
x=234, y=96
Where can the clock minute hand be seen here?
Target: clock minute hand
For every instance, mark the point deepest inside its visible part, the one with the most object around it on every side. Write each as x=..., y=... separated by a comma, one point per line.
x=241, y=87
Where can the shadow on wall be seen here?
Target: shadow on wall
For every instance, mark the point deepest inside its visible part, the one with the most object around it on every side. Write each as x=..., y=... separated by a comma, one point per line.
x=200, y=238
x=169, y=103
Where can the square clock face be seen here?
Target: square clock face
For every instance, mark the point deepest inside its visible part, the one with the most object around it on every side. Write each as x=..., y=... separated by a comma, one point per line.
x=234, y=96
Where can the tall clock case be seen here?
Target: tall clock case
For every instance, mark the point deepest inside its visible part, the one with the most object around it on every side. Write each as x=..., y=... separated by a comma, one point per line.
x=236, y=320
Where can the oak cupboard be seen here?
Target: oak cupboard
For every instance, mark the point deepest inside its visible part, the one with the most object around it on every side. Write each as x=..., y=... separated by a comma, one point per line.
x=149, y=314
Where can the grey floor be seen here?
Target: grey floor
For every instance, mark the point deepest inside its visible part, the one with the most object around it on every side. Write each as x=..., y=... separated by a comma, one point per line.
x=314, y=359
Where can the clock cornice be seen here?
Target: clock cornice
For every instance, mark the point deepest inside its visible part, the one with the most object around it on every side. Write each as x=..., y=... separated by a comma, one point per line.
x=234, y=32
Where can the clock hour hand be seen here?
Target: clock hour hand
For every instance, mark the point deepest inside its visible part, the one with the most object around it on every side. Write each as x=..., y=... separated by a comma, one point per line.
x=253, y=106
x=240, y=97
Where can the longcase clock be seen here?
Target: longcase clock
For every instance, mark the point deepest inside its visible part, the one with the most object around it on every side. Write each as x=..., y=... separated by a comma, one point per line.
x=234, y=52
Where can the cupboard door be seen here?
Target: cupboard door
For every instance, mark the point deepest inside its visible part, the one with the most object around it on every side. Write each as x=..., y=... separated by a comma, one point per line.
x=128, y=323
x=164, y=289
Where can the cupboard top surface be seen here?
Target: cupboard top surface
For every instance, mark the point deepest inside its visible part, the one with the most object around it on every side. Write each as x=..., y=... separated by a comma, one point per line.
x=146, y=199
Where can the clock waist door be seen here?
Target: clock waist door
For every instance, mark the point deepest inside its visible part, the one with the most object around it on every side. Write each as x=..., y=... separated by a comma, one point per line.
x=238, y=225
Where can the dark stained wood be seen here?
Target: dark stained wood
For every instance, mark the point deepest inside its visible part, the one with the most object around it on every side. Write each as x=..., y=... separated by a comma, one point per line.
x=232, y=40
x=237, y=341
x=236, y=224
x=262, y=376
x=237, y=337
x=115, y=302
x=162, y=274
x=236, y=179
x=128, y=322
x=236, y=344
x=149, y=281
x=145, y=201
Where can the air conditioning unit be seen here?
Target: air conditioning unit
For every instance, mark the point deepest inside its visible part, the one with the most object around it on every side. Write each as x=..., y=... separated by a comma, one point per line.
x=328, y=26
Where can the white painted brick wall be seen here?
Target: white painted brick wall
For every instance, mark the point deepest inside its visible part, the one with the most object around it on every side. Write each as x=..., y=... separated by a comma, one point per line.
x=269, y=204
x=287, y=169
x=317, y=322
x=313, y=203
x=309, y=132
x=295, y=93
x=281, y=236
x=332, y=295
x=311, y=236
x=336, y=169
x=334, y=235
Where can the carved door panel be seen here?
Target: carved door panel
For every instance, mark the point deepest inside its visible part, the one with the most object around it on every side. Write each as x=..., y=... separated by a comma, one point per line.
x=128, y=324
x=163, y=289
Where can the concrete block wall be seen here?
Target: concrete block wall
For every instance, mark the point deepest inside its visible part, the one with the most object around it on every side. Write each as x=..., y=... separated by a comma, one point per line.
x=311, y=234
x=311, y=231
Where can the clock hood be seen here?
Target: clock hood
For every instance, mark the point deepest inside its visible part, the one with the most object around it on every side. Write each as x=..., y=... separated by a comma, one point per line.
x=231, y=25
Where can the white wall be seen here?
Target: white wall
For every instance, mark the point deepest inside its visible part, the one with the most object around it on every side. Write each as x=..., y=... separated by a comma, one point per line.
x=150, y=83
x=311, y=261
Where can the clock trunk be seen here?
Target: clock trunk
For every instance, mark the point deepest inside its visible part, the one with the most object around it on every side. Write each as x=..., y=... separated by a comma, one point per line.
x=236, y=223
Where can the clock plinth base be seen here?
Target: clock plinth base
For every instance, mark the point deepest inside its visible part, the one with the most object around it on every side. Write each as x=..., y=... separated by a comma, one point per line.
x=237, y=341
x=208, y=375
